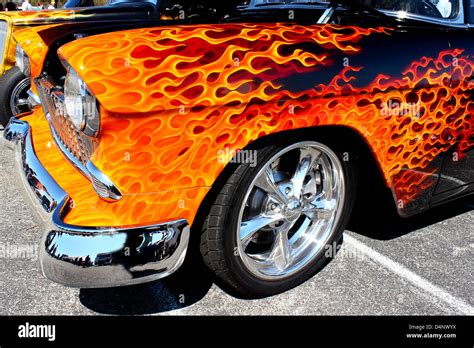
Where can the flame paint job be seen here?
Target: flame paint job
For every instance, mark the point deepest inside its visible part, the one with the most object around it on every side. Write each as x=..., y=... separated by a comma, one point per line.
x=131, y=210
x=37, y=31
x=40, y=21
x=34, y=46
x=172, y=98
x=20, y=20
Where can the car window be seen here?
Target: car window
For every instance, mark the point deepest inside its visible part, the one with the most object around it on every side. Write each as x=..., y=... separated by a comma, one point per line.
x=221, y=5
x=471, y=13
x=78, y=3
x=430, y=8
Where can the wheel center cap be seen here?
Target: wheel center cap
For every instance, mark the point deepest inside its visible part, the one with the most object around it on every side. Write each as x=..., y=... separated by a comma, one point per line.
x=293, y=210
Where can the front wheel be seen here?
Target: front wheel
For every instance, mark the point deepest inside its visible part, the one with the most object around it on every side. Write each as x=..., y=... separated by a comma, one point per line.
x=272, y=225
x=14, y=86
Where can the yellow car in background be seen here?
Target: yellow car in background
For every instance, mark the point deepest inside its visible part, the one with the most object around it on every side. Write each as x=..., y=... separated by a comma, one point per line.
x=7, y=46
x=14, y=83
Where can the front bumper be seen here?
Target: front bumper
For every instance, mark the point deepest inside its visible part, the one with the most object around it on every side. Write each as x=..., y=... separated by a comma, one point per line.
x=88, y=257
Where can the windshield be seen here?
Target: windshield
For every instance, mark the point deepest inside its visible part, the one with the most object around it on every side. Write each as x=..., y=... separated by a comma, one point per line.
x=431, y=8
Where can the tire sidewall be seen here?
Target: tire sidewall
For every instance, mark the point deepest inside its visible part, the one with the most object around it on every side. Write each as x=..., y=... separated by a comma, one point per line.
x=8, y=82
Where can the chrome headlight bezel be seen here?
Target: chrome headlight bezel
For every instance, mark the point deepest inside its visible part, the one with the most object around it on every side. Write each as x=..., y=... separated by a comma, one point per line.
x=22, y=60
x=81, y=105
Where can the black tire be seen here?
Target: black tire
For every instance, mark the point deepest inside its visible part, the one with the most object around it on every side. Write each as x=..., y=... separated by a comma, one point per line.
x=219, y=235
x=8, y=83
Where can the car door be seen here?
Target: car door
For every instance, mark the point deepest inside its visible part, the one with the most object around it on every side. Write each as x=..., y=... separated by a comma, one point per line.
x=457, y=174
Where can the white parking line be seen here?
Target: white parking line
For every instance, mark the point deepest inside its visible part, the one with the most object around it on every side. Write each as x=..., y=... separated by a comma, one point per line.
x=458, y=304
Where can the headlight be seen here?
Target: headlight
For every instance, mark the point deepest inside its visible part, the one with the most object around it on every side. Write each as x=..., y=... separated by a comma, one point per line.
x=22, y=60
x=81, y=105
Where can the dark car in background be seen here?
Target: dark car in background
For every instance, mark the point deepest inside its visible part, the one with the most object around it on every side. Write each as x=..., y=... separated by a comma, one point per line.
x=116, y=15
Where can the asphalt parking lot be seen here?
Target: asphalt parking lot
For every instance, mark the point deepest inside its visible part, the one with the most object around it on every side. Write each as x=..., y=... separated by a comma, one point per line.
x=419, y=266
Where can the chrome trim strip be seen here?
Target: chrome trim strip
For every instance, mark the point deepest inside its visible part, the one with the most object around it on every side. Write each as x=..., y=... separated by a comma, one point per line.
x=91, y=257
x=45, y=193
x=327, y=15
x=101, y=182
x=4, y=37
x=33, y=98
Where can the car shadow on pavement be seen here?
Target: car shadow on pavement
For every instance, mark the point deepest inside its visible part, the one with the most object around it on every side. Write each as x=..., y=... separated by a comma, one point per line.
x=383, y=223
x=182, y=289
x=192, y=281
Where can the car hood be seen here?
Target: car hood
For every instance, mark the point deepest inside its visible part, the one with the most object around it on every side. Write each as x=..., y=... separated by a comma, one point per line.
x=176, y=67
x=36, y=39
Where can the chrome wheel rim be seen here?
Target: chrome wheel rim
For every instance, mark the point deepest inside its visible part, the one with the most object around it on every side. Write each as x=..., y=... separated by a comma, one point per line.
x=19, y=102
x=290, y=211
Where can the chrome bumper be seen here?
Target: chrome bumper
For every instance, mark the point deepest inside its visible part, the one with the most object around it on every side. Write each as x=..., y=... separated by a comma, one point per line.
x=87, y=257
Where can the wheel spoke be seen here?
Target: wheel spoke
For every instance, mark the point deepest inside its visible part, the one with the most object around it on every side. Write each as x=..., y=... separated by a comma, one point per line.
x=250, y=227
x=266, y=182
x=22, y=102
x=17, y=98
x=320, y=214
x=280, y=255
x=310, y=190
x=328, y=183
x=307, y=160
x=320, y=209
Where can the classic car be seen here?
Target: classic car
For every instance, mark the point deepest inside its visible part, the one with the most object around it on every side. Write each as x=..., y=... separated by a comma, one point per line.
x=245, y=141
x=117, y=14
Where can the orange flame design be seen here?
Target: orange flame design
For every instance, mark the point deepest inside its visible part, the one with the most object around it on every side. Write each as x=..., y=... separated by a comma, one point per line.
x=34, y=46
x=19, y=21
x=173, y=97
x=87, y=209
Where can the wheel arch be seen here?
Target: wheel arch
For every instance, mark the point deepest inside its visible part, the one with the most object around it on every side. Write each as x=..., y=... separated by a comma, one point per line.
x=370, y=175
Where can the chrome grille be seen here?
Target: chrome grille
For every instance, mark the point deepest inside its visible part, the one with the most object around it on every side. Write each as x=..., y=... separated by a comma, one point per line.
x=99, y=187
x=3, y=40
x=76, y=145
